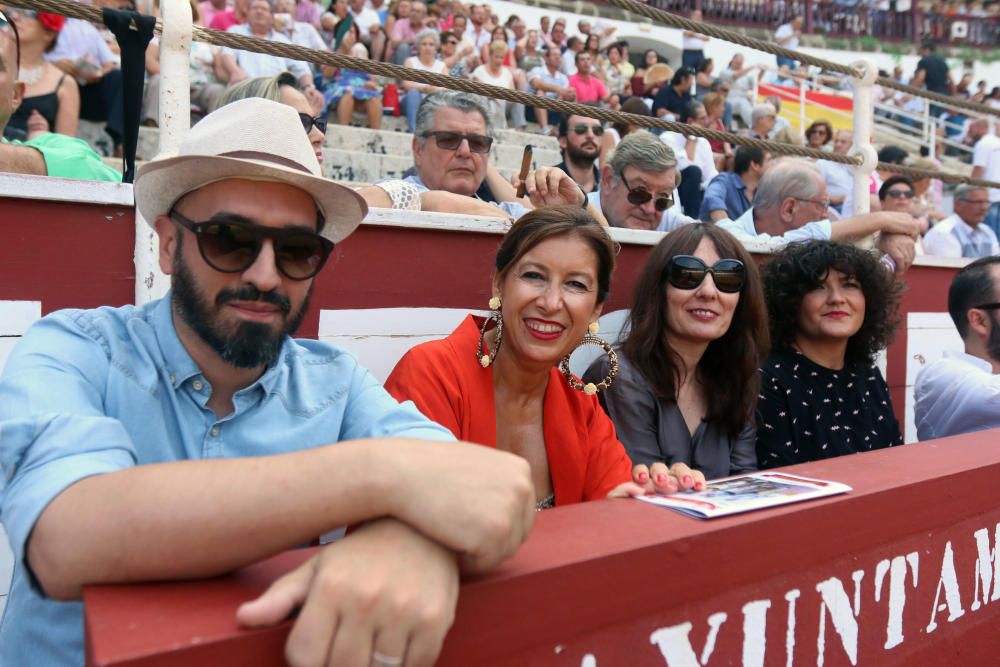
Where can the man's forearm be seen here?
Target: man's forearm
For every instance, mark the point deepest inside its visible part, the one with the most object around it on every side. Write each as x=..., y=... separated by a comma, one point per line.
x=22, y=160
x=855, y=227
x=200, y=518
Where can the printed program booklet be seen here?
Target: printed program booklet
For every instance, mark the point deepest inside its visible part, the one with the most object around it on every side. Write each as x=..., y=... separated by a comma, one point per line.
x=732, y=495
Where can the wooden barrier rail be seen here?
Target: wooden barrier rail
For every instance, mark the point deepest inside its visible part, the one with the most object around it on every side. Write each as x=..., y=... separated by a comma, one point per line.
x=904, y=570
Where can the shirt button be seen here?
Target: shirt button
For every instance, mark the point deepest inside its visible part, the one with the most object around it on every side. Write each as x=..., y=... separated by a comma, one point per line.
x=197, y=385
x=173, y=379
x=215, y=431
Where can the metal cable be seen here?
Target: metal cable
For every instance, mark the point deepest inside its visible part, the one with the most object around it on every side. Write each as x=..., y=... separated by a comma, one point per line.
x=295, y=52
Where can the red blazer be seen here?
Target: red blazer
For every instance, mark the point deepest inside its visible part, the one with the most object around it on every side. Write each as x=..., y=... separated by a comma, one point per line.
x=446, y=382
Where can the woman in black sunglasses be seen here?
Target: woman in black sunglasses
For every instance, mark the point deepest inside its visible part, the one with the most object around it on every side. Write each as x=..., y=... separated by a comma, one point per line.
x=687, y=382
x=832, y=308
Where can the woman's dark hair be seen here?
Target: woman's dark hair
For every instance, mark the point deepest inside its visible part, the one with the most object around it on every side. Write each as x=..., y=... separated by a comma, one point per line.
x=801, y=267
x=633, y=105
x=823, y=125
x=702, y=65
x=543, y=224
x=728, y=369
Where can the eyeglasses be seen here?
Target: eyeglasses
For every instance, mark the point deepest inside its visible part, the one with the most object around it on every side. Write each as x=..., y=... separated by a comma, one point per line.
x=825, y=202
x=6, y=23
x=17, y=12
x=988, y=306
x=638, y=197
x=233, y=247
x=450, y=141
x=977, y=202
x=582, y=129
x=896, y=194
x=451, y=42
x=687, y=272
x=309, y=122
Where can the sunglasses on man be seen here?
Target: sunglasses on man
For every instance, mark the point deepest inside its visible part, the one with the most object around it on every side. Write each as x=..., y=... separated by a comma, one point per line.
x=7, y=24
x=639, y=196
x=450, y=141
x=896, y=194
x=233, y=246
x=582, y=129
x=686, y=272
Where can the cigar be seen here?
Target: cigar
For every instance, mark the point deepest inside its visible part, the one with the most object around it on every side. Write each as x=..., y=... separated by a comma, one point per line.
x=525, y=166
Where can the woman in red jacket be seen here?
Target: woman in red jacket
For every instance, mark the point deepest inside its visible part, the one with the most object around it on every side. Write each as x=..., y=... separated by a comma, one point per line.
x=495, y=381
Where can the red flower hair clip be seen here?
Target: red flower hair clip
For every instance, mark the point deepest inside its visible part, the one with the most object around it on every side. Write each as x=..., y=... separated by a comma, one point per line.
x=53, y=22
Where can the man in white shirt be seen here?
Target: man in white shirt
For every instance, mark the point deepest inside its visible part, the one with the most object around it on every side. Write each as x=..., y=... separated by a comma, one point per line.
x=546, y=79
x=573, y=47
x=787, y=35
x=838, y=177
x=240, y=64
x=960, y=393
x=476, y=31
x=963, y=233
x=986, y=165
x=695, y=160
x=791, y=204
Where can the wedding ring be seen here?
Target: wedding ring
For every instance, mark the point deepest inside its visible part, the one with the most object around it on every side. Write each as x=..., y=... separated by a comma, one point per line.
x=385, y=660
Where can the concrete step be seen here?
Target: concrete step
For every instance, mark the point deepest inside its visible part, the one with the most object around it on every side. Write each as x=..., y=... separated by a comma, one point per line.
x=508, y=156
x=361, y=166
x=516, y=138
x=382, y=142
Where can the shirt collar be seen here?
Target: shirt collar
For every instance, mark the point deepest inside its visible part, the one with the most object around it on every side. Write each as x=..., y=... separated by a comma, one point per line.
x=978, y=362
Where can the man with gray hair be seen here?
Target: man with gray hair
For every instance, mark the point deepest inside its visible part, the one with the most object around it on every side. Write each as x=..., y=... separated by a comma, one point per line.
x=638, y=185
x=451, y=148
x=963, y=234
x=762, y=120
x=791, y=204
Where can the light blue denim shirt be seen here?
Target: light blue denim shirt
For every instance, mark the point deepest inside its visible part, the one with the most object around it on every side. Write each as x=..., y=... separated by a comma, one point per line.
x=87, y=392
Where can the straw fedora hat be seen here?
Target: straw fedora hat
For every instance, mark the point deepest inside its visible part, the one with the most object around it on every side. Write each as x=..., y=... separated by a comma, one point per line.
x=253, y=139
x=657, y=74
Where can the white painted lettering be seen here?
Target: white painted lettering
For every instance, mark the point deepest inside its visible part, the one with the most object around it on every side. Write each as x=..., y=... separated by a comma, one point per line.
x=755, y=632
x=897, y=592
x=675, y=645
x=791, y=596
x=834, y=599
x=949, y=582
x=986, y=557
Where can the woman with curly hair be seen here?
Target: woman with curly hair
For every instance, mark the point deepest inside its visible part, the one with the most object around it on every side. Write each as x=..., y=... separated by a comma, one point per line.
x=687, y=373
x=832, y=307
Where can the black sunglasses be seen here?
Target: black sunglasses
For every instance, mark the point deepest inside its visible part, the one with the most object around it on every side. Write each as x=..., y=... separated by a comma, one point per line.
x=988, y=306
x=233, y=247
x=309, y=122
x=581, y=129
x=687, y=273
x=5, y=22
x=450, y=141
x=639, y=196
x=895, y=194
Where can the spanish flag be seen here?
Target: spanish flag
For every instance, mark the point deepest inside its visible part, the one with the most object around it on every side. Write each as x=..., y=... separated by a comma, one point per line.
x=836, y=109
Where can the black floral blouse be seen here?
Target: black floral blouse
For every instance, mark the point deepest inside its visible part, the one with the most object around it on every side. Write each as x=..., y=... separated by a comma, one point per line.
x=808, y=412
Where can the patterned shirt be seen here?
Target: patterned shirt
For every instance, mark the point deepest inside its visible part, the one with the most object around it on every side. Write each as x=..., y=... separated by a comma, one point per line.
x=807, y=412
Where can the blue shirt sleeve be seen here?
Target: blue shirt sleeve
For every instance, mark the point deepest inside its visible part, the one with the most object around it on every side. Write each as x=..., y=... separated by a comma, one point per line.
x=53, y=430
x=714, y=200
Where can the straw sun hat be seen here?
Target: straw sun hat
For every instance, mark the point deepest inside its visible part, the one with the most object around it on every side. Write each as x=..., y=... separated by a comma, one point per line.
x=253, y=139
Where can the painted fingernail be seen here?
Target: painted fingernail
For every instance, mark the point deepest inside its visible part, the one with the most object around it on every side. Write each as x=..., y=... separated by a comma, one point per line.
x=688, y=481
x=661, y=478
x=643, y=477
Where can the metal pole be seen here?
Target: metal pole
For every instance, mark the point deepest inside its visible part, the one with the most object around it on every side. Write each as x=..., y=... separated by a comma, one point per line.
x=802, y=108
x=174, y=120
x=863, y=113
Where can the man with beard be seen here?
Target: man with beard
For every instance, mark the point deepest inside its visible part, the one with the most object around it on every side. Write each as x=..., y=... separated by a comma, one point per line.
x=579, y=138
x=191, y=436
x=960, y=393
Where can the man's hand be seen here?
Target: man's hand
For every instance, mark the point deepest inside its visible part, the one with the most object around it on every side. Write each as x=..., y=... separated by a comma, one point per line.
x=901, y=248
x=384, y=589
x=551, y=186
x=475, y=500
x=898, y=222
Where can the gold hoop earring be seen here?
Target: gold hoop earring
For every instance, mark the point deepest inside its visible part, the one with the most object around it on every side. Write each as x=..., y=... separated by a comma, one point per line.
x=590, y=388
x=485, y=360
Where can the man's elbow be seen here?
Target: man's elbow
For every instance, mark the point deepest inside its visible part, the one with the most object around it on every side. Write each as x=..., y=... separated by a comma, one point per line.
x=51, y=564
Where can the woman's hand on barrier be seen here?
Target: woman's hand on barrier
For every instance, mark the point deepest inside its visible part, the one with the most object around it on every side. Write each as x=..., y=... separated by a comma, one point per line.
x=658, y=478
x=384, y=591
